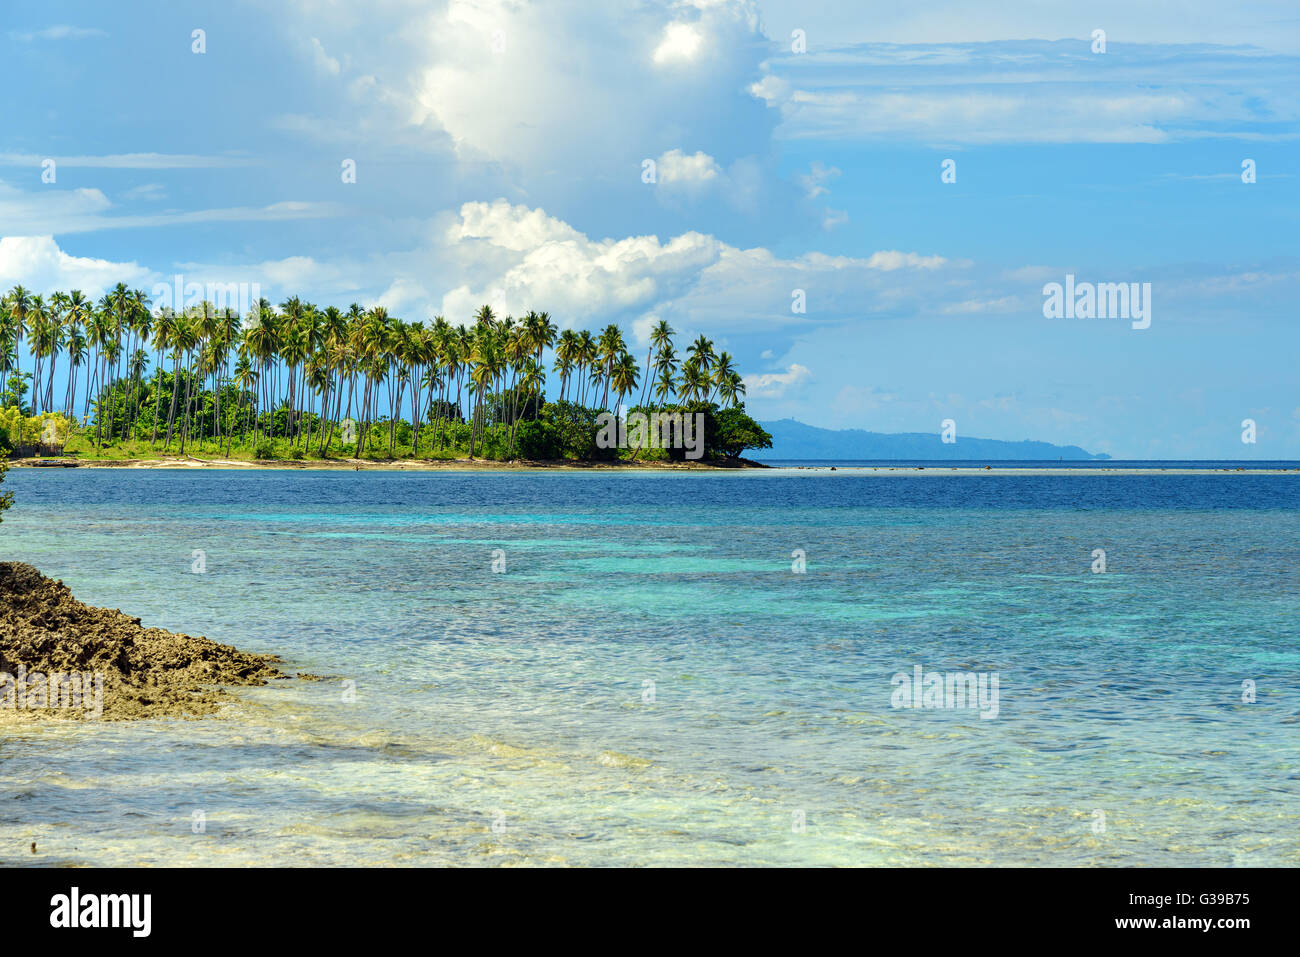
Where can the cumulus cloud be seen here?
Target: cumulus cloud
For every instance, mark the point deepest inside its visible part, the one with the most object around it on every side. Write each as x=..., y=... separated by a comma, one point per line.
x=774, y=385
x=38, y=263
x=521, y=258
x=681, y=41
x=526, y=259
x=682, y=177
x=514, y=258
x=695, y=172
x=587, y=87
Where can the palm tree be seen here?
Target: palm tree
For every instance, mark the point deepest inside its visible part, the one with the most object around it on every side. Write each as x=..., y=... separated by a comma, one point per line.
x=624, y=376
x=164, y=340
x=374, y=335
x=695, y=381
x=246, y=381
x=721, y=373
x=586, y=361
x=480, y=378
x=665, y=385
x=566, y=353
x=611, y=347
x=732, y=390
x=20, y=302
x=531, y=383
x=76, y=350
x=77, y=314
x=701, y=351
x=42, y=328
x=661, y=339
x=188, y=332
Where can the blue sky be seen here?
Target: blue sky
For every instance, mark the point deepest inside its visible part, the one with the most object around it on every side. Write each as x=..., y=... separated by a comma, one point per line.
x=500, y=147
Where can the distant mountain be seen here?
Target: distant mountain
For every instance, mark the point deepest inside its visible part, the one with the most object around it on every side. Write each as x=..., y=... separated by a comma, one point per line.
x=794, y=440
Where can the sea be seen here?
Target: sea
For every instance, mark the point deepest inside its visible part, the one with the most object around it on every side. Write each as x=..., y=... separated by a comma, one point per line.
x=786, y=666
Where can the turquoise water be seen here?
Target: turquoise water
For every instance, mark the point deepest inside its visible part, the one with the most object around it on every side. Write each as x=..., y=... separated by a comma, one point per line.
x=521, y=698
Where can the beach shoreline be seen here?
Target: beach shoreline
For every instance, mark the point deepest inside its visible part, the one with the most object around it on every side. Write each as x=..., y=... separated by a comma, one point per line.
x=181, y=463
x=394, y=465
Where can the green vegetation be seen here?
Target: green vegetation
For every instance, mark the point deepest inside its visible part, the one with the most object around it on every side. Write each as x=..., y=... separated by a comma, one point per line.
x=6, y=498
x=18, y=430
x=300, y=382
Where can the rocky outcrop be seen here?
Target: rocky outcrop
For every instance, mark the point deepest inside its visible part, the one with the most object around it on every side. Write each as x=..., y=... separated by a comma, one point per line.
x=52, y=646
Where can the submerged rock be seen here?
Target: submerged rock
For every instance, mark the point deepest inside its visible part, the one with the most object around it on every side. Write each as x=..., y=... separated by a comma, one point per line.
x=61, y=658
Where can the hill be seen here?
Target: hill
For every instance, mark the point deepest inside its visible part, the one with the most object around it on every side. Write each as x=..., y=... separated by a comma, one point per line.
x=795, y=440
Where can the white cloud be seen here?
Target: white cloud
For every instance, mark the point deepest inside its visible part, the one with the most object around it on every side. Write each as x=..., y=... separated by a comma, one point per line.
x=49, y=210
x=568, y=85
x=814, y=181
x=146, y=191
x=324, y=62
x=128, y=161
x=891, y=259
x=525, y=259
x=1002, y=304
x=1265, y=23
x=833, y=217
x=60, y=32
x=1032, y=91
x=38, y=263
x=515, y=258
x=681, y=41
x=521, y=258
x=697, y=171
x=696, y=176
x=774, y=385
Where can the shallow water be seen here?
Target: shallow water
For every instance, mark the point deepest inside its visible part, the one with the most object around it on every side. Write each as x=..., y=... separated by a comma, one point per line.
x=522, y=698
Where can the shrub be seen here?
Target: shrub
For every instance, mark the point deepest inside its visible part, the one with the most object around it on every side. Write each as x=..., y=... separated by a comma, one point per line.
x=19, y=429
x=538, y=439
x=574, y=431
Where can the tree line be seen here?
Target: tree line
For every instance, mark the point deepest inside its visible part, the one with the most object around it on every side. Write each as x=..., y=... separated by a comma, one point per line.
x=302, y=374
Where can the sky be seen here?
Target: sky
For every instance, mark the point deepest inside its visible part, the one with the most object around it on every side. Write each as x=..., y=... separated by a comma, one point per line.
x=863, y=203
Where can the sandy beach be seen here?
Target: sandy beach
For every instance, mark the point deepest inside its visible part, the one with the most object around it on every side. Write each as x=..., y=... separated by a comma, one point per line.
x=425, y=465
x=437, y=465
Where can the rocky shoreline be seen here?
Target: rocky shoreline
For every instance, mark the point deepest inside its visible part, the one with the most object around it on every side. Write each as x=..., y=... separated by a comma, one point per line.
x=60, y=658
